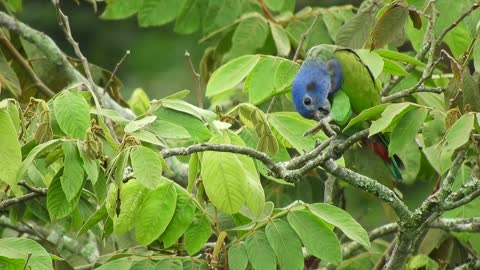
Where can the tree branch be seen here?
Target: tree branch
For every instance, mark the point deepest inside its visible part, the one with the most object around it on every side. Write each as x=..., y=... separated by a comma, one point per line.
x=51, y=51
x=26, y=66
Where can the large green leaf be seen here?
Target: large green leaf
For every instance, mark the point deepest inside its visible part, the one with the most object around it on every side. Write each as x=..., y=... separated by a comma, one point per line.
x=167, y=130
x=155, y=213
x=8, y=77
x=224, y=178
x=197, y=233
x=220, y=14
x=355, y=32
x=389, y=25
x=440, y=154
x=123, y=263
x=341, y=108
x=182, y=218
x=358, y=81
x=90, y=166
x=10, y=153
x=155, y=12
x=342, y=220
x=169, y=263
x=370, y=113
x=132, y=195
x=260, y=253
x=72, y=178
x=190, y=16
x=147, y=166
x=249, y=26
x=120, y=9
x=400, y=57
x=290, y=127
x=272, y=75
x=18, y=248
x=318, y=35
x=406, y=129
x=57, y=204
x=72, y=113
x=285, y=244
x=317, y=237
x=197, y=129
x=231, y=74
x=255, y=196
x=280, y=38
x=237, y=257
x=34, y=153
x=390, y=116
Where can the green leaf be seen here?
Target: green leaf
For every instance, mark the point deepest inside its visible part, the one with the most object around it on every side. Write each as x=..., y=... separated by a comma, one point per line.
x=237, y=257
x=72, y=113
x=121, y=9
x=182, y=218
x=149, y=137
x=57, y=204
x=155, y=213
x=342, y=220
x=99, y=215
x=183, y=106
x=285, y=244
x=260, y=253
x=89, y=165
x=189, y=18
x=372, y=60
x=363, y=261
x=255, y=197
x=280, y=38
x=8, y=77
x=168, y=130
x=140, y=123
x=197, y=129
x=18, y=248
x=10, y=153
x=169, y=263
x=358, y=81
x=370, y=113
x=193, y=171
x=197, y=233
x=220, y=14
x=422, y=262
x=389, y=25
x=249, y=26
x=406, y=129
x=393, y=68
x=11, y=264
x=132, y=195
x=439, y=155
x=341, y=108
x=147, y=166
x=123, y=263
x=231, y=74
x=319, y=33
x=316, y=236
x=335, y=19
x=158, y=12
x=272, y=75
x=400, y=57
x=390, y=116
x=355, y=32
x=139, y=101
x=33, y=154
x=290, y=127
x=224, y=178
x=72, y=178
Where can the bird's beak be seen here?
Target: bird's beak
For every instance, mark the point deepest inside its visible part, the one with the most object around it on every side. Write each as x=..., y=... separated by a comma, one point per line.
x=322, y=112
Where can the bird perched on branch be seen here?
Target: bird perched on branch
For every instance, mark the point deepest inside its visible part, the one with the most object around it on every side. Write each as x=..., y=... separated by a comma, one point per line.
x=334, y=81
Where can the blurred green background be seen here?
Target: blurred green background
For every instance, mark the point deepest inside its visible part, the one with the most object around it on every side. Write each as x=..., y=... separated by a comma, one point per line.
x=156, y=62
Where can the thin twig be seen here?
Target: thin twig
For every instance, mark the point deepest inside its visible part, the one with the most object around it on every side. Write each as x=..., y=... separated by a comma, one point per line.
x=29, y=255
x=110, y=80
x=197, y=78
x=266, y=12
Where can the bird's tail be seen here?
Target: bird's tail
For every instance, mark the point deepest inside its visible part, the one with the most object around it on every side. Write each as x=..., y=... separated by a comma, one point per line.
x=379, y=145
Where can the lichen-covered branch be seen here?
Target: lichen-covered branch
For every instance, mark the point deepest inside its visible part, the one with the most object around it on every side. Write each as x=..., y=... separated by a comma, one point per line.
x=54, y=55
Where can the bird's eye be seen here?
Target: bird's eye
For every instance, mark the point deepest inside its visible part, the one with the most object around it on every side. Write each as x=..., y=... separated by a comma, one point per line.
x=311, y=86
x=307, y=101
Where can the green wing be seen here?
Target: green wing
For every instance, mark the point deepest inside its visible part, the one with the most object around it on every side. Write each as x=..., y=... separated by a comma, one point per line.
x=358, y=81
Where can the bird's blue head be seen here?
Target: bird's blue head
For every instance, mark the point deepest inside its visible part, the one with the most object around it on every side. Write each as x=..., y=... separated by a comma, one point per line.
x=310, y=89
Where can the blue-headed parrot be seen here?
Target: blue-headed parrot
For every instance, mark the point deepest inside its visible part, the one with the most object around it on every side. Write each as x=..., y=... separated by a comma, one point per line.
x=328, y=70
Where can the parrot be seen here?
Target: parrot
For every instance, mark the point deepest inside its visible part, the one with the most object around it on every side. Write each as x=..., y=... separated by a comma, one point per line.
x=329, y=70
